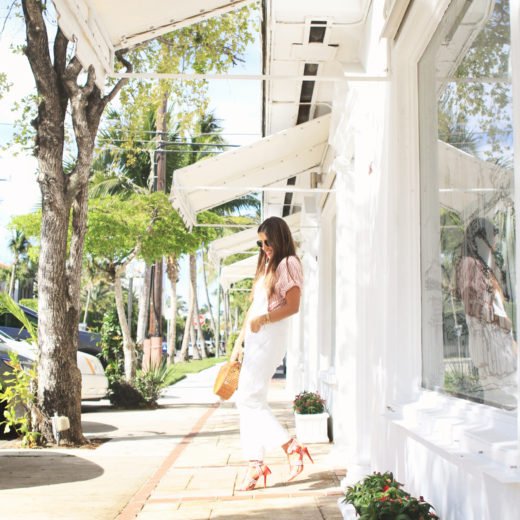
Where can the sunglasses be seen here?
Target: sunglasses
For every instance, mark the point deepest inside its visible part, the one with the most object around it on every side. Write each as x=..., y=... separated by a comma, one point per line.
x=261, y=243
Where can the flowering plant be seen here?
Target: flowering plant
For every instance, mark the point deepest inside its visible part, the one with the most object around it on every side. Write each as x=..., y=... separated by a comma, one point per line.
x=308, y=403
x=380, y=497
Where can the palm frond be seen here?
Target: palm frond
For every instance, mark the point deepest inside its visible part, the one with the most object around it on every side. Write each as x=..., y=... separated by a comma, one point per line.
x=8, y=305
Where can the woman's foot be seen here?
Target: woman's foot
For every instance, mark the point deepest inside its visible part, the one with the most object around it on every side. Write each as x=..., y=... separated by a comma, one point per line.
x=256, y=470
x=295, y=453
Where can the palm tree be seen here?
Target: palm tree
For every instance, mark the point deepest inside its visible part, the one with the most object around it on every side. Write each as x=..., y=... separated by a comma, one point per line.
x=18, y=244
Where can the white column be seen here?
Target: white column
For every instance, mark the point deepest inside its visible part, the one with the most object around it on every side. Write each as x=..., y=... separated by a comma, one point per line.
x=309, y=316
x=348, y=402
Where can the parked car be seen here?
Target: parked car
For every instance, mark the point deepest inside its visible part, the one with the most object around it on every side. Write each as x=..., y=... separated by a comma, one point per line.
x=94, y=383
x=88, y=341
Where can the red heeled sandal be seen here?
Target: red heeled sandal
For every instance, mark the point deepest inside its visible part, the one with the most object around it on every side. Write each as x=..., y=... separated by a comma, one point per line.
x=251, y=479
x=296, y=467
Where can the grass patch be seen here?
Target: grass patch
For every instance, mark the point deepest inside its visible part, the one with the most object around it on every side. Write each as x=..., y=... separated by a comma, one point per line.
x=195, y=365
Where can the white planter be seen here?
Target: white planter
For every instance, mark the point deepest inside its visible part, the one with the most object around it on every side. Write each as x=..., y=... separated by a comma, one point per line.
x=348, y=512
x=311, y=427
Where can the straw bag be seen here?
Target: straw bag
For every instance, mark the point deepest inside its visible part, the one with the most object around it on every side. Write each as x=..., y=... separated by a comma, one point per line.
x=227, y=380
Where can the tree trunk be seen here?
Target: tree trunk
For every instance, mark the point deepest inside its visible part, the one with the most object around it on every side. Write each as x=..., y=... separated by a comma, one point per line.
x=87, y=303
x=59, y=379
x=144, y=305
x=160, y=185
x=172, y=270
x=128, y=344
x=196, y=348
x=59, y=270
x=201, y=346
x=210, y=308
x=189, y=321
x=12, y=280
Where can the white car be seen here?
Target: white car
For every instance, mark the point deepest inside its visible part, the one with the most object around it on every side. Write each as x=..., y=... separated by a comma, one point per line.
x=94, y=383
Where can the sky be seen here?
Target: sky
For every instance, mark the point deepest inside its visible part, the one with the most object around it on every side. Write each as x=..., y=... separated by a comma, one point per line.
x=236, y=102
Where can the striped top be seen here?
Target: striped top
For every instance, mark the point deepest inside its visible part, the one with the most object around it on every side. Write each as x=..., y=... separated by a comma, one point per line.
x=289, y=274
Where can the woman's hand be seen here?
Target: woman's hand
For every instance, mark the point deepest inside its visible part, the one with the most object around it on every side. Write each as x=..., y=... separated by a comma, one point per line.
x=237, y=354
x=258, y=322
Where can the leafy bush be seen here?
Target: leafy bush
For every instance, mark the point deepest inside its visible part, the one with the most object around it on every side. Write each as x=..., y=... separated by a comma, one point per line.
x=308, y=403
x=150, y=384
x=111, y=344
x=381, y=497
x=125, y=395
x=17, y=396
x=145, y=389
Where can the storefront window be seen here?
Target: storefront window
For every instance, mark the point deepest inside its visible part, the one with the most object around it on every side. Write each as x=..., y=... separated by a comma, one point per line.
x=467, y=206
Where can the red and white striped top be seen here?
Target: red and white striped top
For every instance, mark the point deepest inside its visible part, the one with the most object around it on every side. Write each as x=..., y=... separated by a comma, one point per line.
x=289, y=274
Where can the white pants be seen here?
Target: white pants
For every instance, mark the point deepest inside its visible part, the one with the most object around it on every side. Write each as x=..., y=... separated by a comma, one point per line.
x=263, y=352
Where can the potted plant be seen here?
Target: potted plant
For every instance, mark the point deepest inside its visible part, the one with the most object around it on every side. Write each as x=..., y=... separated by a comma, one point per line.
x=310, y=417
x=380, y=497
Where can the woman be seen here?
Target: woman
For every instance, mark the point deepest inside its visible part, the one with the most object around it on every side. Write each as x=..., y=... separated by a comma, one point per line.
x=276, y=296
x=491, y=344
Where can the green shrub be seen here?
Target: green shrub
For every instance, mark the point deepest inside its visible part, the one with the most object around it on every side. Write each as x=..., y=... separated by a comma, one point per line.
x=17, y=397
x=308, y=403
x=124, y=395
x=152, y=382
x=145, y=389
x=111, y=344
x=381, y=497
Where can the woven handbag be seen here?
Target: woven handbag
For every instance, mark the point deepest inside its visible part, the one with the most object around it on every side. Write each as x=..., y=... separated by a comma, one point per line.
x=227, y=380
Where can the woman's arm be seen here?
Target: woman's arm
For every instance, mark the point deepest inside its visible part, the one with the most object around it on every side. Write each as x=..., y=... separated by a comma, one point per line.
x=292, y=306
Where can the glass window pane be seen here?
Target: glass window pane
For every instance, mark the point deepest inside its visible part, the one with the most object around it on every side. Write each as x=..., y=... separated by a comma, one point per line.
x=467, y=207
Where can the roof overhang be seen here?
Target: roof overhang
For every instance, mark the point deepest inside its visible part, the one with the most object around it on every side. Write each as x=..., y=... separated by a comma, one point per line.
x=238, y=271
x=468, y=183
x=245, y=240
x=101, y=27
x=216, y=180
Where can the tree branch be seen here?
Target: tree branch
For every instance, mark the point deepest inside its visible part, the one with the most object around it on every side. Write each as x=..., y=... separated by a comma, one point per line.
x=60, y=52
x=37, y=49
x=121, y=83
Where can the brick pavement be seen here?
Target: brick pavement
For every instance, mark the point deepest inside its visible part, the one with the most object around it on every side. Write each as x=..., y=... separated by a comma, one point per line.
x=201, y=479
x=181, y=461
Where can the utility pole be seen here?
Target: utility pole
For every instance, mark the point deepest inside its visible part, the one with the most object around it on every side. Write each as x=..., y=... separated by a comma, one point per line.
x=155, y=322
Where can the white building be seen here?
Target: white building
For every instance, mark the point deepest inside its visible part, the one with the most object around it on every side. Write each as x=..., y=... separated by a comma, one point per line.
x=361, y=101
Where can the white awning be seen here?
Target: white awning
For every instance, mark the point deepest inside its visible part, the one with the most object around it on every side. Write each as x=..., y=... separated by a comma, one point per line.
x=241, y=270
x=467, y=184
x=216, y=180
x=245, y=240
x=101, y=27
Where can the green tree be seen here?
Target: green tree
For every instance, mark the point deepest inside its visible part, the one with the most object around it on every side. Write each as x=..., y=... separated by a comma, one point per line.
x=486, y=104
x=64, y=94
x=18, y=244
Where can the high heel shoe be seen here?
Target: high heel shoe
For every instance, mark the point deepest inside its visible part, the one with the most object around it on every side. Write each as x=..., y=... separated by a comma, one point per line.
x=251, y=479
x=296, y=467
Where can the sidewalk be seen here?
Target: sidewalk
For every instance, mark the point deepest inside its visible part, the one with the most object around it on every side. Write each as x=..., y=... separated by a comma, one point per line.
x=181, y=461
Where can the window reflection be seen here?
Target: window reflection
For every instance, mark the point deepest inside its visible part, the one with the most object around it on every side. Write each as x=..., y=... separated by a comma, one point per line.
x=468, y=254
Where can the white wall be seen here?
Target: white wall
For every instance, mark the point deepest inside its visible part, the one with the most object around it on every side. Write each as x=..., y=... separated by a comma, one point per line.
x=459, y=455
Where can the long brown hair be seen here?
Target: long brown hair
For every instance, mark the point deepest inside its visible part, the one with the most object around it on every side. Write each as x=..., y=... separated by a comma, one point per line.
x=280, y=239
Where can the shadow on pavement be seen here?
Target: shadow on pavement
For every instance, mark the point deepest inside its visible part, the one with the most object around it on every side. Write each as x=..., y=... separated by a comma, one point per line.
x=44, y=469
x=97, y=427
x=165, y=436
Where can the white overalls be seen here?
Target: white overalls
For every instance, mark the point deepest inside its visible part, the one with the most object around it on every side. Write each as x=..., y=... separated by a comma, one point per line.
x=263, y=352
